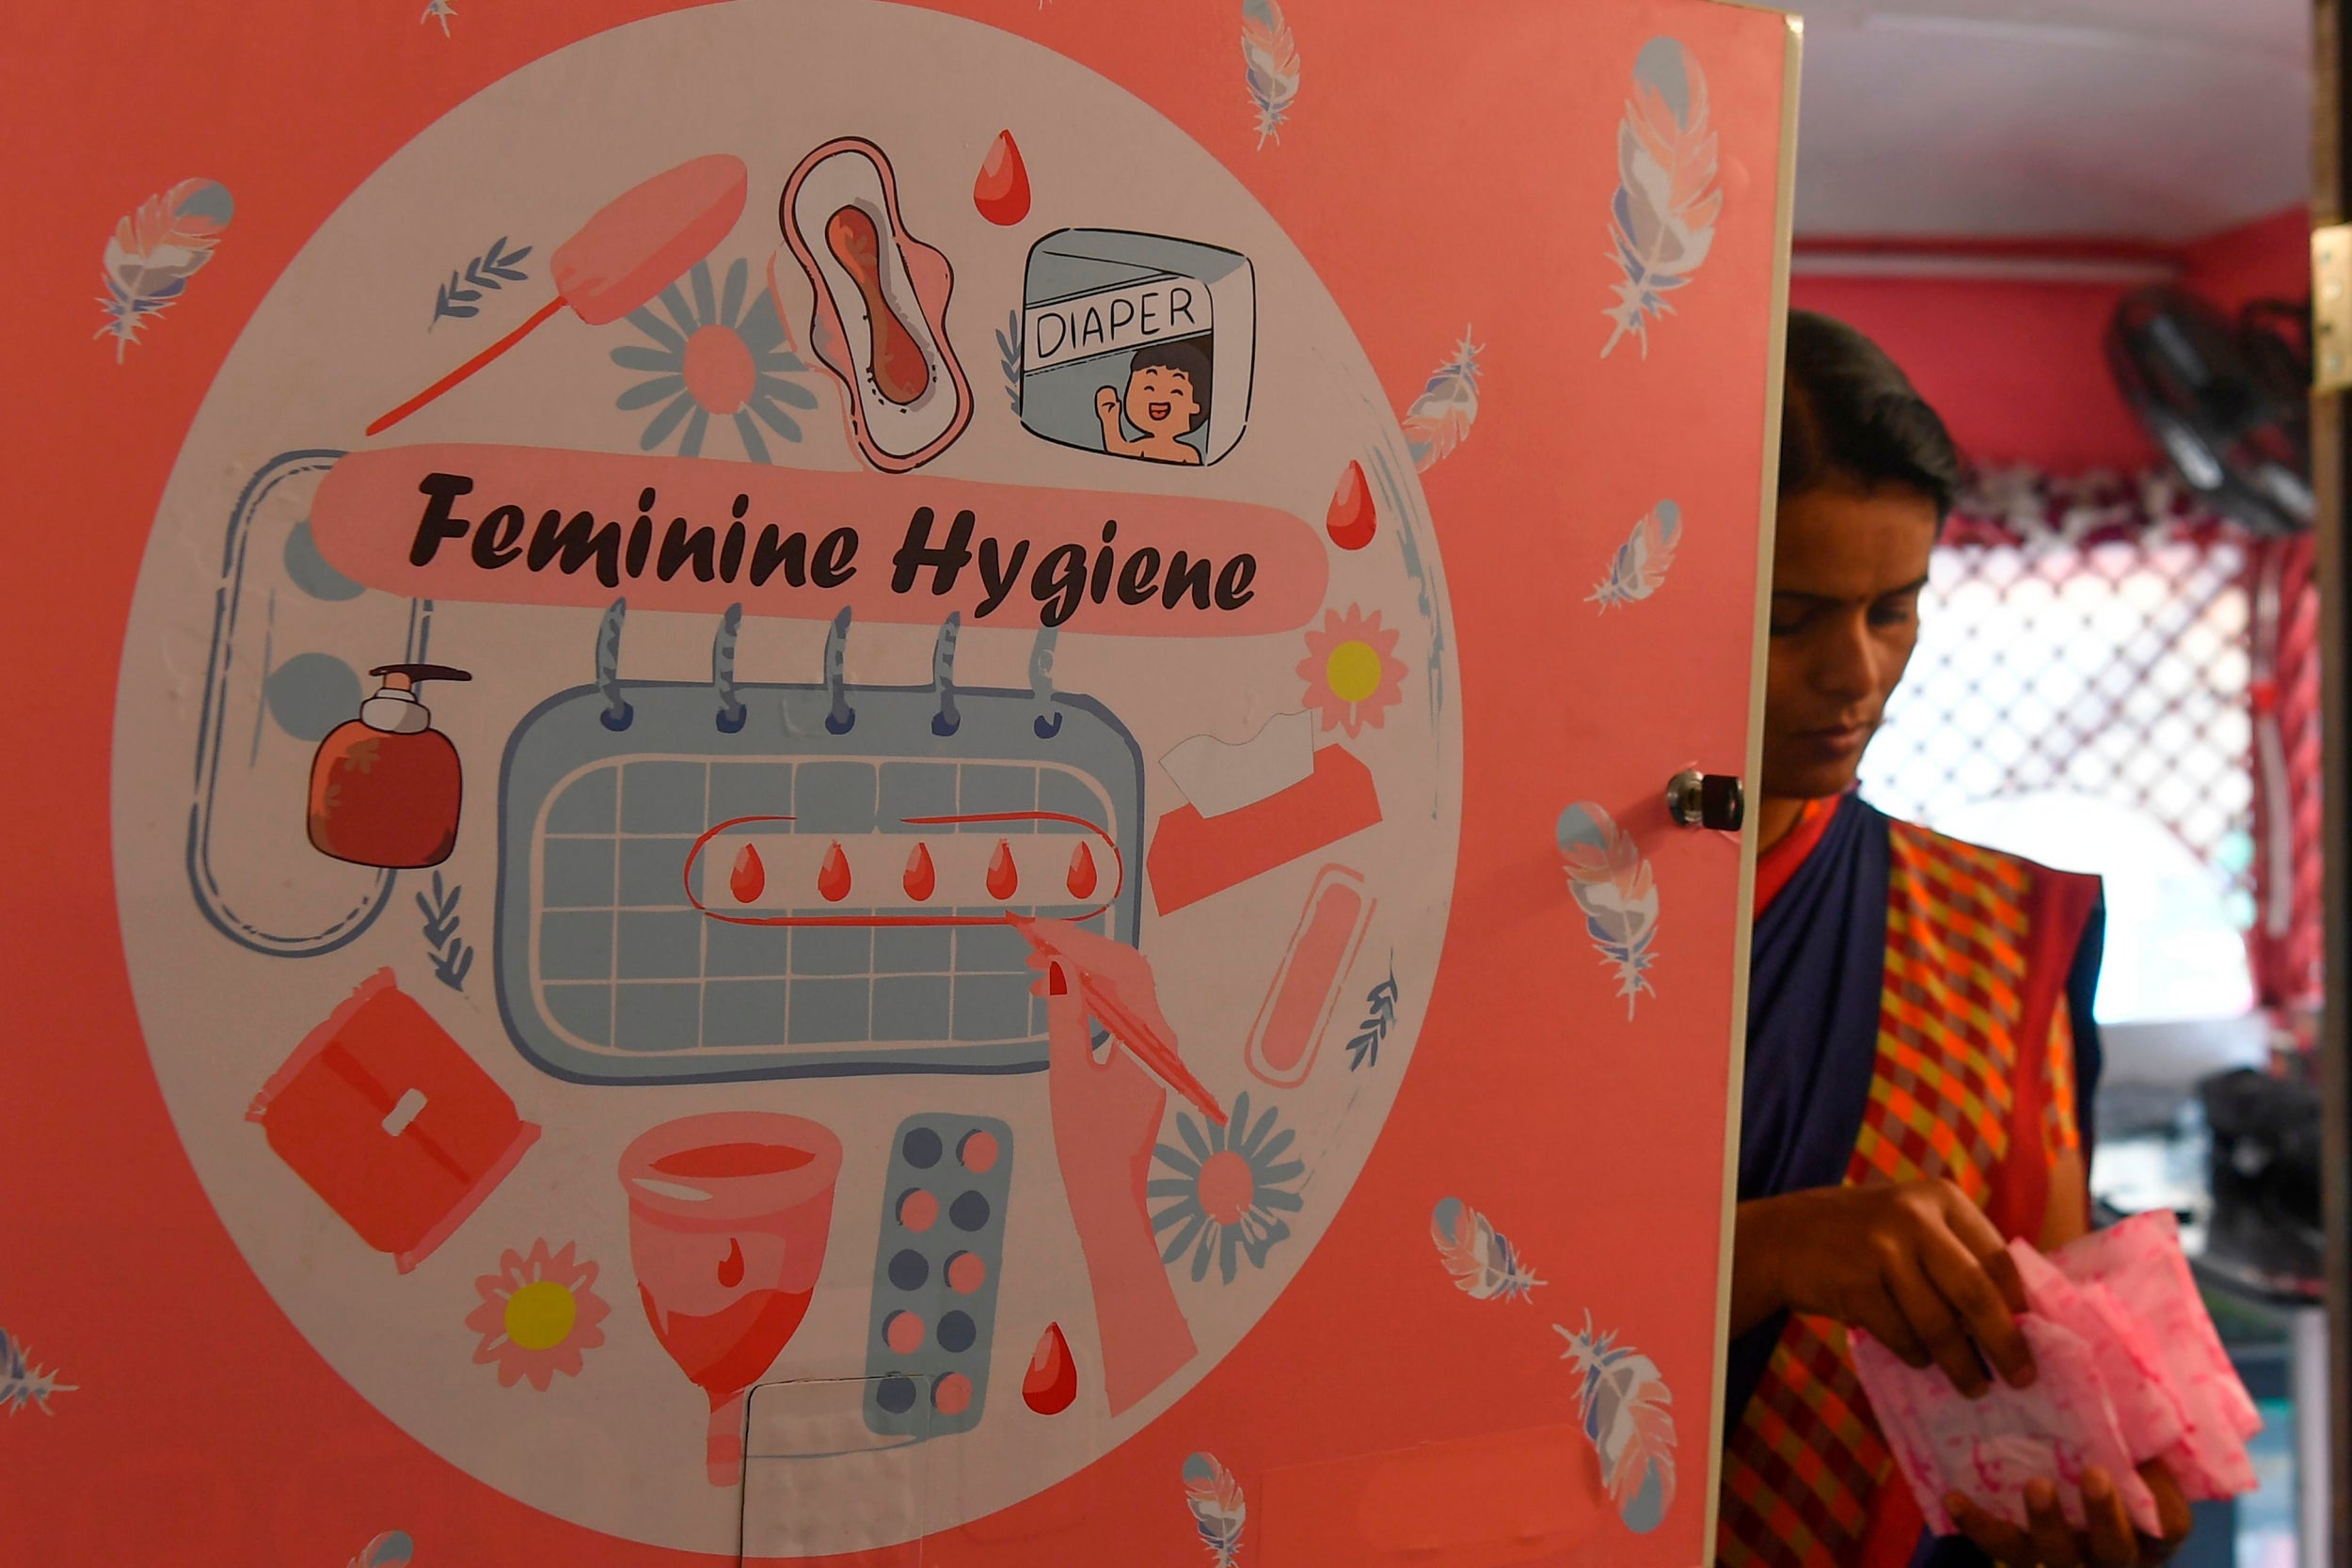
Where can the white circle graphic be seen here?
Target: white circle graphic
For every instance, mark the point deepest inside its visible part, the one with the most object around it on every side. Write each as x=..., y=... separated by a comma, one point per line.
x=534, y=1309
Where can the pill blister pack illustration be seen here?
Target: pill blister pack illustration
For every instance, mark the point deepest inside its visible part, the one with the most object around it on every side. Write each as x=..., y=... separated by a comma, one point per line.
x=633, y=949
x=935, y=1274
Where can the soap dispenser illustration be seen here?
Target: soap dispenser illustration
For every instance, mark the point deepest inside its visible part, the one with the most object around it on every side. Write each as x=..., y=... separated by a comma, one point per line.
x=386, y=786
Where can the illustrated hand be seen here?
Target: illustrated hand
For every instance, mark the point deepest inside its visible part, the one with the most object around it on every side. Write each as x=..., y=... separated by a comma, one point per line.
x=1106, y=1112
x=1917, y=1265
x=1107, y=1115
x=1106, y=408
x=2049, y=1542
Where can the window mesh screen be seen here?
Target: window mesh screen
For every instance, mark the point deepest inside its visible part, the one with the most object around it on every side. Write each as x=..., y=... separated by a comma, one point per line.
x=2117, y=671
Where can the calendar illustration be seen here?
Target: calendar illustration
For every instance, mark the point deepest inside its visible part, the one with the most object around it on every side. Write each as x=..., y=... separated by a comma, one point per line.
x=668, y=916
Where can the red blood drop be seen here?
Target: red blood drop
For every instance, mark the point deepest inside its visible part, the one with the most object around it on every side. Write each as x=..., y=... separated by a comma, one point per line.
x=749, y=878
x=1002, y=191
x=1352, y=521
x=1081, y=871
x=921, y=878
x=1004, y=877
x=731, y=1266
x=833, y=877
x=1051, y=1385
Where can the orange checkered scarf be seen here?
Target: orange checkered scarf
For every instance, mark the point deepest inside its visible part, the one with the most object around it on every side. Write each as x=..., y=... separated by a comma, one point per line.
x=1973, y=1082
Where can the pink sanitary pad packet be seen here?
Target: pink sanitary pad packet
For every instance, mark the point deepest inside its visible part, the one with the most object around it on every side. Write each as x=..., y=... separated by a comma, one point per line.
x=1988, y=1448
x=2140, y=1265
x=2148, y=1409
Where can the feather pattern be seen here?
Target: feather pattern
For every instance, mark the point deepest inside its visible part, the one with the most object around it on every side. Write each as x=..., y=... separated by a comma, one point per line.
x=1663, y=219
x=1481, y=1258
x=1271, y=56
x=1639, y=567
x=390, y=1549
x=1441, y=418
x=25, y=1381
x=1612, y=885
x=1218, y=1510
x=154, y=252
x=1626, y=1409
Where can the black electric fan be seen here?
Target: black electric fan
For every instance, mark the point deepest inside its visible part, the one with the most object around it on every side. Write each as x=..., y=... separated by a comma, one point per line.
x=2227, y=401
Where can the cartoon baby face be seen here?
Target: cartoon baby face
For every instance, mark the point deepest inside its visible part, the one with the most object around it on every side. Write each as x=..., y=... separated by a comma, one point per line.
x=1160, y=398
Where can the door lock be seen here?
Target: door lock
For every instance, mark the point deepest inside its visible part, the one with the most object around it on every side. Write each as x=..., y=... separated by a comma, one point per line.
x=1697, y=800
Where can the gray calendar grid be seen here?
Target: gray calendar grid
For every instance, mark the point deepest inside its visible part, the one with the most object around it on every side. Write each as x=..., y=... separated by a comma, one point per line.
x=611, y=963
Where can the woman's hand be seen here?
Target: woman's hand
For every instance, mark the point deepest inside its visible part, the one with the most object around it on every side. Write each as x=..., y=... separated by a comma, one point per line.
x=2049, y=1542
x=1917, y=1265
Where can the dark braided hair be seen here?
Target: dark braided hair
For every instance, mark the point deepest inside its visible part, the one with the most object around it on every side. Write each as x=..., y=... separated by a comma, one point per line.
x=1848, y=416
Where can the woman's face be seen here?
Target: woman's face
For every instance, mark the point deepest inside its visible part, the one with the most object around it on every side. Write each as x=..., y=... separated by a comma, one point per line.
x=1848, y=566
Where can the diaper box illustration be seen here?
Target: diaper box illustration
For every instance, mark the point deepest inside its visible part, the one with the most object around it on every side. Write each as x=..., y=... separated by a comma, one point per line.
x=1136, y=344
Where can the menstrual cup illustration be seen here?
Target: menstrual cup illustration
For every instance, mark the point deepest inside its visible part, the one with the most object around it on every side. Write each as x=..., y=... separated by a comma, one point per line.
x=386, y=787
x=634, y=247
x=728, y=1214
x=877, y=305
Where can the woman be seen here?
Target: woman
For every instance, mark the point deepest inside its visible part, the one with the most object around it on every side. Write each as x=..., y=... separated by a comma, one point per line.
x=1920, y=1047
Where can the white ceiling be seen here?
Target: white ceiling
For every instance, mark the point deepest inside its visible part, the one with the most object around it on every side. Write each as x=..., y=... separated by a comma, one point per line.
x=2143, y=120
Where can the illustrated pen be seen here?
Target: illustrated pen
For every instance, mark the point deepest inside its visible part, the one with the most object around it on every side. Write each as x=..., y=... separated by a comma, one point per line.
x=1145, y=1044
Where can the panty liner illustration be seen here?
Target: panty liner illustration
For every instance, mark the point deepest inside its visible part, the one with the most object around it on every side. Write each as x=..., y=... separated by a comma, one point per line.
x=1305, y=989
x=389, y=1121
x=878, y=317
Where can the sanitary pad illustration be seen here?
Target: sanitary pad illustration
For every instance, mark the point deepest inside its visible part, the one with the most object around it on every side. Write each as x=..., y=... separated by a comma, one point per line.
x=1137, y=344
x=876, y=301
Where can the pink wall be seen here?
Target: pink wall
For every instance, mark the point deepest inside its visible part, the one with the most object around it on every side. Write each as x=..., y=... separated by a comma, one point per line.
x=2270, y=257
x=2017, y=369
